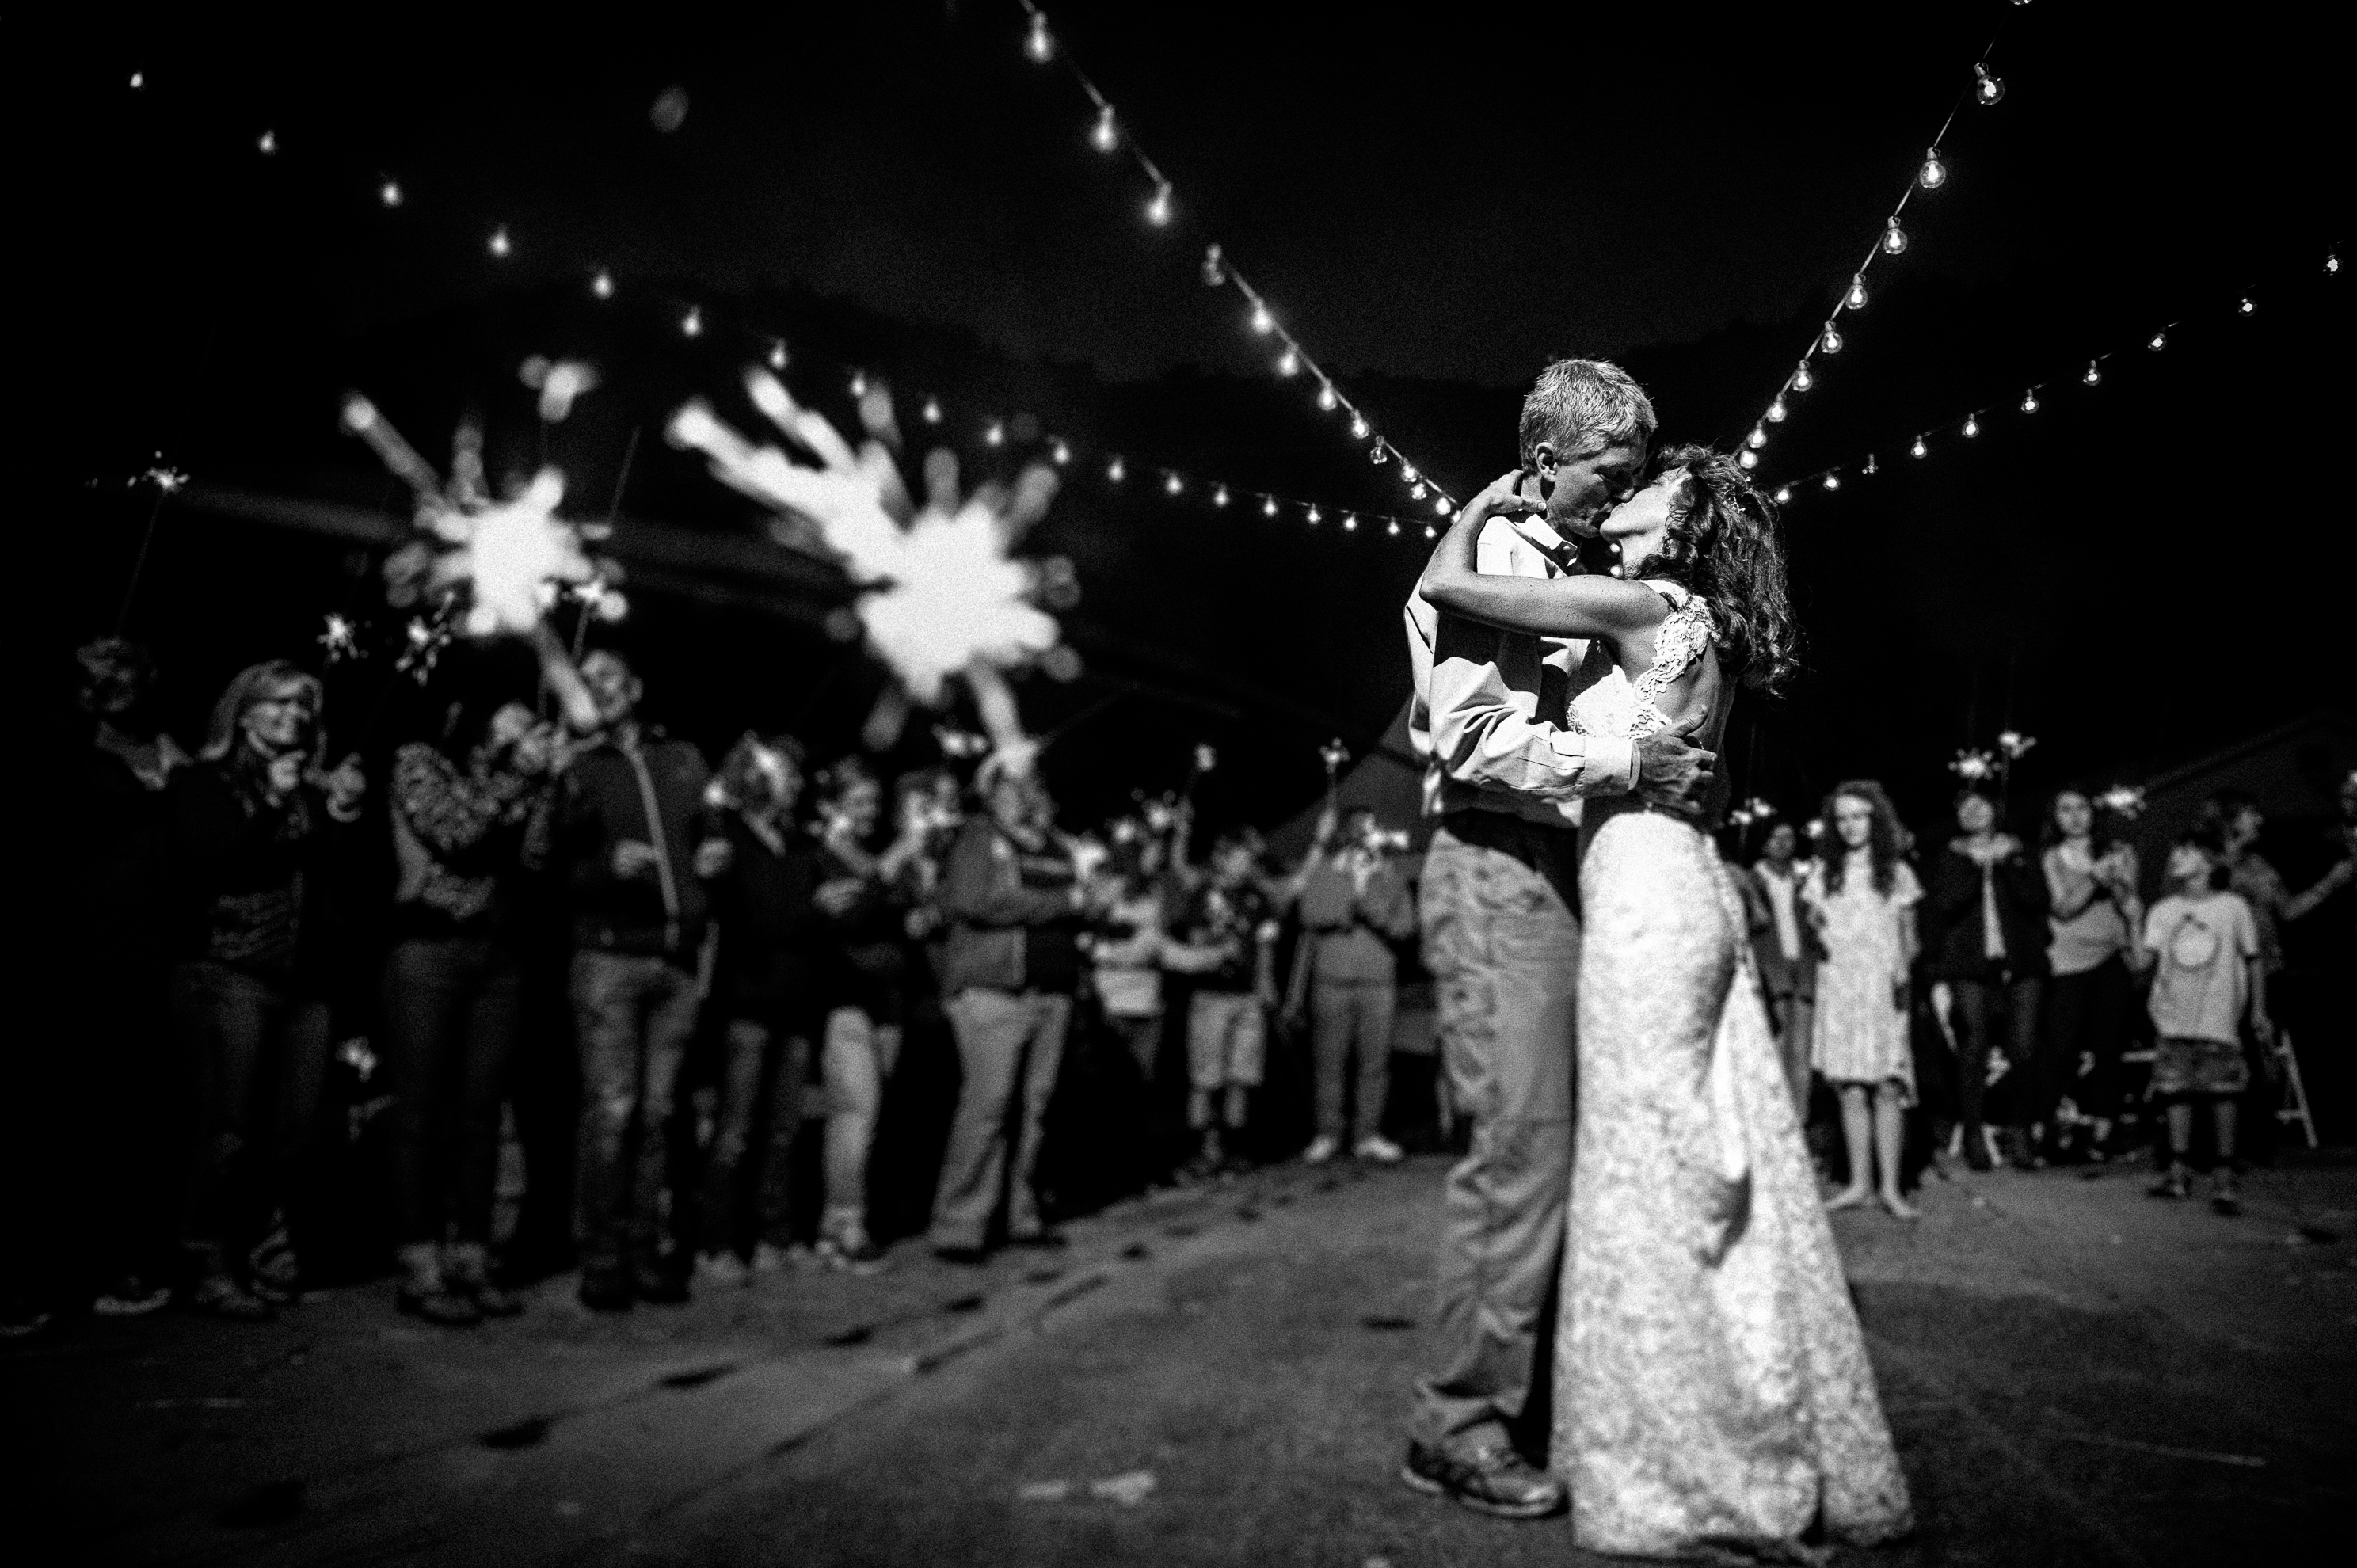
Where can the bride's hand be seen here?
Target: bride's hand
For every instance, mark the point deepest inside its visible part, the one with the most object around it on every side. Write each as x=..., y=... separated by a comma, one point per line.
x=1502, y=498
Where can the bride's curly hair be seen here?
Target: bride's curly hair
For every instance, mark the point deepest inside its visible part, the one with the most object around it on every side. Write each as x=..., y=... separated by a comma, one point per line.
x=1723, y=545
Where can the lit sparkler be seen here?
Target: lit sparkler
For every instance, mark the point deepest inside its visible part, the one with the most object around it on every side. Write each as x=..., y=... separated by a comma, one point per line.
x=342, y=640
x=2123, y=800
x=1976, y=767
x=941, y=594
x=2013, y=743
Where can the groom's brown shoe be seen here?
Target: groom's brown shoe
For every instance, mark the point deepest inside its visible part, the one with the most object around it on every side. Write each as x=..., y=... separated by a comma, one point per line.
x=1491, y=1479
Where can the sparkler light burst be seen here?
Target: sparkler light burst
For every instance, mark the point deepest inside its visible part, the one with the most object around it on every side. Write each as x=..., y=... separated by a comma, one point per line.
x=508, y=561
x=943, y=595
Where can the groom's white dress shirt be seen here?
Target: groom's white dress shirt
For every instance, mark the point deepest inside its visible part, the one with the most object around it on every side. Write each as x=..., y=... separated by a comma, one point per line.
x=1491, y=714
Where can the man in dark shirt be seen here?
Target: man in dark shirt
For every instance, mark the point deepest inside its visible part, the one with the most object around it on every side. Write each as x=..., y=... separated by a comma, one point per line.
x=1009, y=972
x=636, y=838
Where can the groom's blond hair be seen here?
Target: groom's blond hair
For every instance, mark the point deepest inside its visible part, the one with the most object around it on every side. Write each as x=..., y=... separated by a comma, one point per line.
x=1584, y=402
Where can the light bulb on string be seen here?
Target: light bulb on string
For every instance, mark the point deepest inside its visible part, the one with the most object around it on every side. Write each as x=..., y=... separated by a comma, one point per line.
x=1894, y=237
x=2332, y=261
x=1972, y=426
x=2247, y=306
x=1219, y=495
x=1443, y=506
x=1987, y=88
x=138, y=80
x=1350, y=523
x=2094, y=375
x=389, y=193
x=1102, y=135
x=1870, y=468
x=1783, y=494
x=602, y=284
x=777, y=354
x=1393, y=528
x=1833, y=339
x=1215, y=267
x=1268, y=506
x=1933, y=173
x=501, y=245
x=2029, y=401
x=859, y=383
x=1408, y=475
x=1416, y=491
x=266, y=143
x=1315, y=516
x=1116, y=471
x=692, y=324
x=1157, y=210
x=1060, y=453
x=1290, y=363
x=1357, y=425
x=2159, y=342
x=1326, y=396
x=1776, y=411
x=1041, y=44
x=1757, y=439
x=1172, y=484
x=1262, y=321
x=1377, y=454
x=1919, y=448
x=932, y=411
x=1855, y=298
x=993, y=434
x=1804, y=377
x=1748, y=457
x=1431, y=531
x=1833, y=481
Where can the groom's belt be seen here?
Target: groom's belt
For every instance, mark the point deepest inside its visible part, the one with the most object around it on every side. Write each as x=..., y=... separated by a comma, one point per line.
x=1552, y=852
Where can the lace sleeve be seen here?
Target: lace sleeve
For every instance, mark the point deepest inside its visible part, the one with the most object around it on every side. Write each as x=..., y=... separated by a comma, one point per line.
x=1681, y=640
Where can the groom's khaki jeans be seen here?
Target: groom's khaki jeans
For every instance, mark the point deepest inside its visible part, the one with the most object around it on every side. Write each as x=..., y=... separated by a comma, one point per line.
x=1504, y=949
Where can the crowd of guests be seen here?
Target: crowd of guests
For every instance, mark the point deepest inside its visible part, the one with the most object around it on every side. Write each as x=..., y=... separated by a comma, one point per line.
x=548, y=925
x=1986, y=992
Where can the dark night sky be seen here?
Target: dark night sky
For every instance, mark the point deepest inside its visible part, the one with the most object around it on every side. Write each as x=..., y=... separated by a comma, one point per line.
x=1435, y=197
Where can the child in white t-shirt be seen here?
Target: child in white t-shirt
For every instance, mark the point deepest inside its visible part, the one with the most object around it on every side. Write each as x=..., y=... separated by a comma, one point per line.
x=2209, y=984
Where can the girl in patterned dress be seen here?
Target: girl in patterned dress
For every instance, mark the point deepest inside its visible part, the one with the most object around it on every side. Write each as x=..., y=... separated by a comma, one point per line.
x=1861, y=898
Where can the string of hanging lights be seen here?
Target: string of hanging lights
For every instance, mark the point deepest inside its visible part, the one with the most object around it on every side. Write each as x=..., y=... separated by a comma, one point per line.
x=2034, y=397
x=699, y=318
x=1110, y=136
x=1985, y=90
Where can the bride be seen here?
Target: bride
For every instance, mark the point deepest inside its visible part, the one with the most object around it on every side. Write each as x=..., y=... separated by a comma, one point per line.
x=1712, y=1387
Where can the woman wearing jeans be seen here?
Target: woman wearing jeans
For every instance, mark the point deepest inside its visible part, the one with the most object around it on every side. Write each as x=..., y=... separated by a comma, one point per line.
x=467, y=817
x=252, y=826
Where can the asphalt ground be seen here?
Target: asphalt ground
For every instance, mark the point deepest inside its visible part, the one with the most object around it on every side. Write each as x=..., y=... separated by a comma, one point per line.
x=2075, y=1373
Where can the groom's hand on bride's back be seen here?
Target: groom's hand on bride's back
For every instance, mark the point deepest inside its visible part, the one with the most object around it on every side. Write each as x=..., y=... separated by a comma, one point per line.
x=1672, y=772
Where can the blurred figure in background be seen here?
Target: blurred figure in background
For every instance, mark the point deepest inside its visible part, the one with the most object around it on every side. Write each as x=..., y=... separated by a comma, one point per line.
x=1861, y=900
x=1988, y=903
x=637, y=840
x=1010, y=967
x=2095, y=917
x=766, y=985
x=866, y=898
x=1126, y=952
x=469, y=816
x=257, y=903
x=1785, y=949
x=2209, y=984
x=118, y=849
x=1354, y=905
x=1226, y=938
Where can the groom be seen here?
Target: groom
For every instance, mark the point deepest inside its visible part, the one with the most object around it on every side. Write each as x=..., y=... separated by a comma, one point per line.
x=1505, y=773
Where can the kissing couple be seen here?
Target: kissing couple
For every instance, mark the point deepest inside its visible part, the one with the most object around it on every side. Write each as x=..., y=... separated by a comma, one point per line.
x=1636, y=1160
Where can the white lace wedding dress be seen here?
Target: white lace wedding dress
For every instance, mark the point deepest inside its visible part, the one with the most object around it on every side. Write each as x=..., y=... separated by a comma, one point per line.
x=1712, y=1385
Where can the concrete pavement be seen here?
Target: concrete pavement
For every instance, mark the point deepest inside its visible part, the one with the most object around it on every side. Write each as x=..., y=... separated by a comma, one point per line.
x=2077, y=1374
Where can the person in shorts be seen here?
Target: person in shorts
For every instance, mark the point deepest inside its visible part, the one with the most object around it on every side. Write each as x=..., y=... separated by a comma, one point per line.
x=1226, y=936
x=2210, y=983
